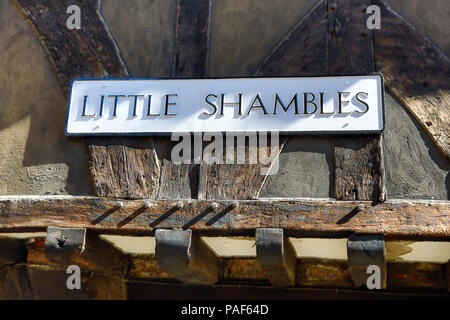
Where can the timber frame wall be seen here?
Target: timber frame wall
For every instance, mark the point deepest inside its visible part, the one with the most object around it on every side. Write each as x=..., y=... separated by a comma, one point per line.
x=138, y=193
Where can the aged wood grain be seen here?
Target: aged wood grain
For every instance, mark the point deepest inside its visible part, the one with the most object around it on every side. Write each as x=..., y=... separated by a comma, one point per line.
x=350, y=43
x=177, y=180
x=191, y=61
x=359, y=170
x=304, y=51
x=191, y=58
x=240, y=181
x=124, y=167
x=86, y=53
x=416, y=72
x=79, y=53
x=396, y=218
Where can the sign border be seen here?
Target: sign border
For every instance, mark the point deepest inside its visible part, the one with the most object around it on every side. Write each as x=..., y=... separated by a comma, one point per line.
x=282, y=133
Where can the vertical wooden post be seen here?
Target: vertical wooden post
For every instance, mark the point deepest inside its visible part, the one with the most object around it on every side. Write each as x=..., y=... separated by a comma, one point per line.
x=276, y=256
x=359, y=170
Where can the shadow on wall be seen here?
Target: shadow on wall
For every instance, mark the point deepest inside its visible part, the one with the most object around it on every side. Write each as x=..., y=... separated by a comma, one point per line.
x=36, y=157
x=306, y=169
x=415, y=168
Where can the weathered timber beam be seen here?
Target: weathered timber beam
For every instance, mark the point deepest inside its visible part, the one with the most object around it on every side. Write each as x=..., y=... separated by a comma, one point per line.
x=276, y=256
x=366, y=251
x=78, y=246
x=417, y=72
x=193, y=18
x=186, y=256
x=394, y=218
x=359, y=170
x=181, y=180
x=304, y=50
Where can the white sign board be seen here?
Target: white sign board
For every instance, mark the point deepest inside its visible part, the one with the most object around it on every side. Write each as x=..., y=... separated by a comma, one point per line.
x=352, y=104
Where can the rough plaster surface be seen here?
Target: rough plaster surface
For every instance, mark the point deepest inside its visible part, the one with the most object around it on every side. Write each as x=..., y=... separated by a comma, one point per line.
x=144, y=31
x=306, y=169
x=414, y=166
x=244, y=33
x=429, y=17
x=35, y=156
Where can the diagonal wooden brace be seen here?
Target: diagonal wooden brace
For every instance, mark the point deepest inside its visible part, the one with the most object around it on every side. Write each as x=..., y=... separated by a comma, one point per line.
x=363, y=251
x=186, y=256
x=276, y=256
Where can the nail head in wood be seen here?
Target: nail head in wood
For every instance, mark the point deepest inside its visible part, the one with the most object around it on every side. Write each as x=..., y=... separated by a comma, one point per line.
x=276, y=256
x=147, y=204
x=214, y=206
x=118, y=204
x=179, y=205
x=360, y=207
x=185, y=255
x=364, y=250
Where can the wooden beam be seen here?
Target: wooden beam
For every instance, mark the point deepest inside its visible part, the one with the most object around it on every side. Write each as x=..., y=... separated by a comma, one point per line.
x=124, y=167
x=276, y=256
x=413, y=219
x=192, y=38
x=359, y=170
x=417, y=72
x=181, y=181
x=240, y=181
x=363, y=251
x=350, y=42
x=12, y=251
x=186, y=256
x=304, y=50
